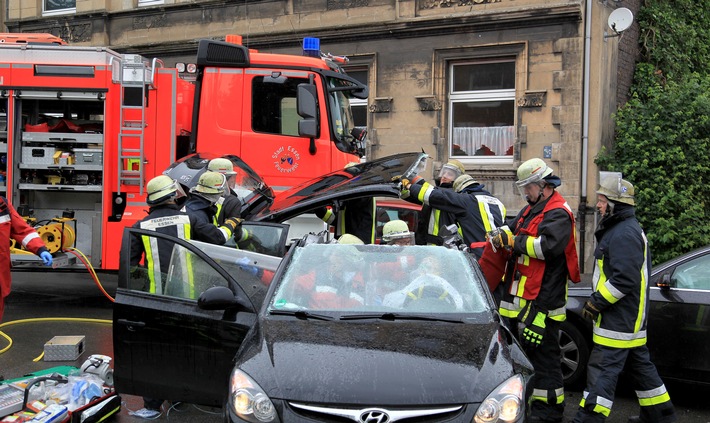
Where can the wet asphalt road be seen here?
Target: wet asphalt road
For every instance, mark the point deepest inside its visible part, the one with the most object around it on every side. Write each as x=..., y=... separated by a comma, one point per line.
x=60, y=295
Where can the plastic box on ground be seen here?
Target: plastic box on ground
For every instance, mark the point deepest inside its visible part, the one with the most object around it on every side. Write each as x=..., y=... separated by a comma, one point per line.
x=64, y=348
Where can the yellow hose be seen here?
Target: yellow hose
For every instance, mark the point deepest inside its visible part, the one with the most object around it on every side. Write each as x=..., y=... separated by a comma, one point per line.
x=45, y=319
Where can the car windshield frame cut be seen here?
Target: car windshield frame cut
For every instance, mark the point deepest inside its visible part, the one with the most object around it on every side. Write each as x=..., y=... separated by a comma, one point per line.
x=346, y=280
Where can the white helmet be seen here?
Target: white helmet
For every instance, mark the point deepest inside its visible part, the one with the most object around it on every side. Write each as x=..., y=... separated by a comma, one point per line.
x=616, y=189
x=532, y=171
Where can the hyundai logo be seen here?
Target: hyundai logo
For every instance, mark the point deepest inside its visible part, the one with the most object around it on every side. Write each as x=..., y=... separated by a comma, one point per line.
x=374, y=416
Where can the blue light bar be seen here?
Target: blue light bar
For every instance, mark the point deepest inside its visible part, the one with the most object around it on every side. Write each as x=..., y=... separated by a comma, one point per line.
x=311, y=47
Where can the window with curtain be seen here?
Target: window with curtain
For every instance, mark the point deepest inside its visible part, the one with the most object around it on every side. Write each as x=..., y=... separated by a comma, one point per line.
x=482, y=109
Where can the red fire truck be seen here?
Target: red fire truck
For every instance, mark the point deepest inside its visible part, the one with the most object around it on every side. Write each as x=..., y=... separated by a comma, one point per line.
x=83, y=128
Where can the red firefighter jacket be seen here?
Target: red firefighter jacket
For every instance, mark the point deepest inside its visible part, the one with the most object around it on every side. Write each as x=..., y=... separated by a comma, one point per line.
x=13, y=226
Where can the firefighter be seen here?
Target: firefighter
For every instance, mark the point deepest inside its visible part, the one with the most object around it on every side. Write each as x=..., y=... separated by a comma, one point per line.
x=229, y=205
x=201, y=205
x=476, y=211
x=539, y=248
x=13, y=226
x=165, y=216
x=618, y=308
x=354, y=216
x=431, y=219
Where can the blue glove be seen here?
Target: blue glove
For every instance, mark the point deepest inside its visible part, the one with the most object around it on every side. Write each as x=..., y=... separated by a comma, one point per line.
x=245, y=265
x=46, y=258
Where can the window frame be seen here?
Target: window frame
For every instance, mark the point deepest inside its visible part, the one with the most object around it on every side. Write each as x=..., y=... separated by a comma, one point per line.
x=142, y=3
x=64, y=11
x=478, y=96
x=444, y=58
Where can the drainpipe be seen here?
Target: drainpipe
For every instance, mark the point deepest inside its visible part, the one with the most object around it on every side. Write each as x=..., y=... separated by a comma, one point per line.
x=585, y=132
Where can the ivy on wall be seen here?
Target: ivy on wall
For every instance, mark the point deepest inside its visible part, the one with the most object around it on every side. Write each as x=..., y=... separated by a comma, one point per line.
x=662, y=140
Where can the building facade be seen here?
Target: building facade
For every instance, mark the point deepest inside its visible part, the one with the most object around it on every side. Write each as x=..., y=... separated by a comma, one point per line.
x=490, y=82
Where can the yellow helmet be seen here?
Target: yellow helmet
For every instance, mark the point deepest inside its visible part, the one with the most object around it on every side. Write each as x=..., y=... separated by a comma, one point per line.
x=221, y=165
x=463, y=181
x=616, y=189
x=532, y=171
x=161, y=189
x=210, y=183
x=396, y=230
x=453, y=169
x=350, y=239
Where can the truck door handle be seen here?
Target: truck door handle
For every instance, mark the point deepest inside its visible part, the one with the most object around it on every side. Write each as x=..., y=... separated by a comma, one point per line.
x=132, y=326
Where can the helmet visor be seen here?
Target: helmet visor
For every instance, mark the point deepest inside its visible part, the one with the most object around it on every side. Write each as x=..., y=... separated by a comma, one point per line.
x=449, y=172
x=402, y=238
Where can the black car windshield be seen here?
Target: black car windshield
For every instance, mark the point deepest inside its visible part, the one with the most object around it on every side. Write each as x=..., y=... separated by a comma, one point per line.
x=379, y=279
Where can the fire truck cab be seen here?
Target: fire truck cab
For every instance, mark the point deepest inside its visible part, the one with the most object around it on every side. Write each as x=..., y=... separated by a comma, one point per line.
x=82, y=129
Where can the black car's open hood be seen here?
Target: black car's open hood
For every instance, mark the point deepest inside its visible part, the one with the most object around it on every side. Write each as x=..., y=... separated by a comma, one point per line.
x=376, y=363
x=252, y=190
x=372, y=178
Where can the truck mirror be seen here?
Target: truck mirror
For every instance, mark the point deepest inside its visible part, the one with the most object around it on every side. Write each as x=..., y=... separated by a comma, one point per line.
x=307, y=105
x=307, y=100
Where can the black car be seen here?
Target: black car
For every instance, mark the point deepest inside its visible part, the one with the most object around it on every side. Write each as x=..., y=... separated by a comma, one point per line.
x=326, y=333
x=678, y=322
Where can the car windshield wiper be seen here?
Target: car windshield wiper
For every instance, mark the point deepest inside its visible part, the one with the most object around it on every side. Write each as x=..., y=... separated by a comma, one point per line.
x=398, y=316
x=301, y=314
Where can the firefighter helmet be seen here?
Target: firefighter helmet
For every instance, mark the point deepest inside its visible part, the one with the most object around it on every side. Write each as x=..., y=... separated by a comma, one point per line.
x=395, y=230
x=463, y=181
x=616, y=189
x=223, y=166
x=210, y=183
x=161, y=189
x=532, y=171
x=350, y=239
x=452, y=170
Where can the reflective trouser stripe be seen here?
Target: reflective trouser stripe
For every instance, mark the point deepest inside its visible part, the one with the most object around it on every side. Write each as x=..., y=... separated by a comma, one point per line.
x=544, y=395
x=602, y=406
x=653, y=396
x=605, y=365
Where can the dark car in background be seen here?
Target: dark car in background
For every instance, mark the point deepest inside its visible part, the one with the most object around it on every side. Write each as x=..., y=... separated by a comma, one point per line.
x=678, y=322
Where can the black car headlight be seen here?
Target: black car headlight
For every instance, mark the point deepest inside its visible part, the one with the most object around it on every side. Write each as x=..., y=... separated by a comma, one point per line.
x=248, y=400
x=503, y=404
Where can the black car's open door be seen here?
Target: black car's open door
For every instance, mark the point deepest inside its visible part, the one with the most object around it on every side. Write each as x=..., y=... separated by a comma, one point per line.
x=166, y=346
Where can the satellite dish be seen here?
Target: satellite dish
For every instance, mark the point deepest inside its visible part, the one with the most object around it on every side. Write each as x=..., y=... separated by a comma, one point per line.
x=620, y=20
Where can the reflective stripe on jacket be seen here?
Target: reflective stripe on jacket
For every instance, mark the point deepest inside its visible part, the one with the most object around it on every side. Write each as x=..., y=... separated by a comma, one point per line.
x=620, y=281
x=545, y=257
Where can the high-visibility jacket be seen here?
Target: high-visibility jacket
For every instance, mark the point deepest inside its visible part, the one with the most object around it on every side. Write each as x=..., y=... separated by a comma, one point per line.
x=545, y=258
x=620, y=281
x=476, y=211
x=205, y=230
x=166, y=219
x=228, y=206
x=13, y=226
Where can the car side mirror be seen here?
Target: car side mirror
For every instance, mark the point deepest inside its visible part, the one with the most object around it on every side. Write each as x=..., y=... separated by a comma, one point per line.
x=221, y=298
x=665, y=282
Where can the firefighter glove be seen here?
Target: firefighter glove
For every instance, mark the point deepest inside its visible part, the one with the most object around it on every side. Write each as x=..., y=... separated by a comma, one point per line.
x=534, y=332
x=233, y=222
x=502, y=238
x=245, y=265
x=590, y=311
x=46, y=258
